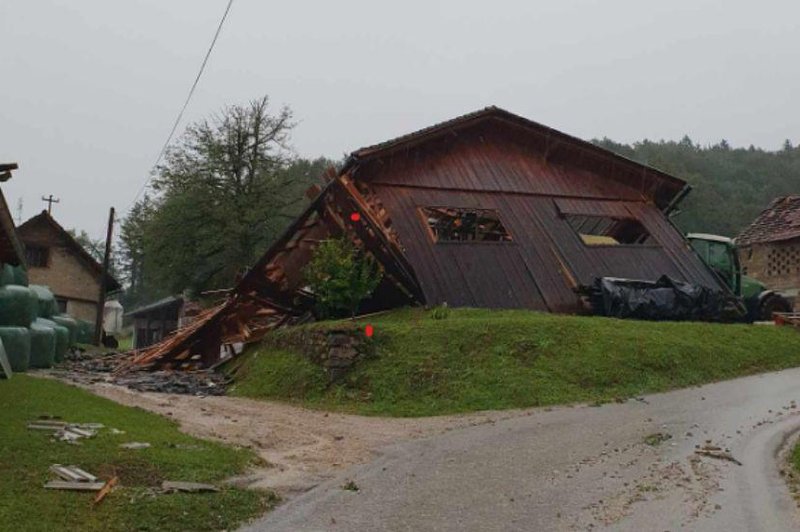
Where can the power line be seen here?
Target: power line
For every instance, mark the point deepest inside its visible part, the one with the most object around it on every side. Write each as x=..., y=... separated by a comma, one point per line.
x=185, y=105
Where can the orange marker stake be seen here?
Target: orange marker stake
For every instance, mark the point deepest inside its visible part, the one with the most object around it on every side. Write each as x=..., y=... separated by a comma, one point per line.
x=369, y=331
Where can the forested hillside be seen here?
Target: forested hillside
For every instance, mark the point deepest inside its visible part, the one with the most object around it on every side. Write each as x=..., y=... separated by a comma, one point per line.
x=730, y=186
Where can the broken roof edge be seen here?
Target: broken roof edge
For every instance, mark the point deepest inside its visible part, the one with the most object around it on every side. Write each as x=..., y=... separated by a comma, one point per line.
x=159, y=303
x=425, y=134
x=762, y=230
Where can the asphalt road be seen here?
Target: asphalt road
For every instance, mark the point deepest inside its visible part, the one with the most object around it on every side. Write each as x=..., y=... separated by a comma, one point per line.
x=579, y=468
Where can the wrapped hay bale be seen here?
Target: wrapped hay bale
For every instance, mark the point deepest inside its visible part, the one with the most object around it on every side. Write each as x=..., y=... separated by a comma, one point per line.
x=65, y=320
x=6, y=274
x=18, y=306
x=85, y=332
x=20, y=275
x=47, y=301
x=17, y=341
x=43, y=345
x=62, y=337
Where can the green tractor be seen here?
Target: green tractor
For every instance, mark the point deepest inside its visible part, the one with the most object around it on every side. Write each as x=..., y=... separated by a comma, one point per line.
x=722, y=256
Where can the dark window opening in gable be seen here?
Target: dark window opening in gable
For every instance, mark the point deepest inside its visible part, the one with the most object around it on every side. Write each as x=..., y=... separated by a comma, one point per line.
x=609, y=231
x=451, y=224
x=62, y=305
x=37, y=257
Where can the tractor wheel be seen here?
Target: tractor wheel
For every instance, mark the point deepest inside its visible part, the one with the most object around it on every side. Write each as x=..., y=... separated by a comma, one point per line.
x=773, y=303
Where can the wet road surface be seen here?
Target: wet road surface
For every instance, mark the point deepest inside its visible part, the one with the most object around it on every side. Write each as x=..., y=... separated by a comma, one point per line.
x=628, y=466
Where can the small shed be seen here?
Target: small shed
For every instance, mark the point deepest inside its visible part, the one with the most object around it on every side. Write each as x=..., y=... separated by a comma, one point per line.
x=769, y=247
x=153, y=322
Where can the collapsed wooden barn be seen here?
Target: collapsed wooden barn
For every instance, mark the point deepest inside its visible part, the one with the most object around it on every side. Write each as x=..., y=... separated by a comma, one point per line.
x=486, y=210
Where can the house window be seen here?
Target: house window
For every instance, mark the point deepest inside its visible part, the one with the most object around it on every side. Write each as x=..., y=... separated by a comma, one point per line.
x=609, y=231
x=37, y=257
x=450, y=224
x=62, y=305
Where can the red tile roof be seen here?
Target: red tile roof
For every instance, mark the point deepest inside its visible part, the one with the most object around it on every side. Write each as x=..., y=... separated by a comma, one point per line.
x=779, y=221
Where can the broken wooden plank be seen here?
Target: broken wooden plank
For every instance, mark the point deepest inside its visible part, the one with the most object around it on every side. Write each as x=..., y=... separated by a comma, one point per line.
x=188, y=487
x=5, y=365
x=109, y=485
x=39, y=426
x=72, y=473
x=135, y=445
x=75, y=486
x=720, y=455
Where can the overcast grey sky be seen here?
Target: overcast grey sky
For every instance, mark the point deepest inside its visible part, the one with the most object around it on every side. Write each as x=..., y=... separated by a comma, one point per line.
x=90, y=88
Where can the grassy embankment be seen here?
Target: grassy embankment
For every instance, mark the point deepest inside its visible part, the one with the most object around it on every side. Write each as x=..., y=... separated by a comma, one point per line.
x=474, y=359
x=26, y=455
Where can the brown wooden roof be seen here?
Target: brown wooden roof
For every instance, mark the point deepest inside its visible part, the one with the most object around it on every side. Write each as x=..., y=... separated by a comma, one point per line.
x=779, y=221
x=69, y=242
x=663, y=188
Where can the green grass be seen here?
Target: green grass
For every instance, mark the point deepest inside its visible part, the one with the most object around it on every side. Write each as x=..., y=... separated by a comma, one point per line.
x=26, y=455
x=459, y=360
x=125, y=343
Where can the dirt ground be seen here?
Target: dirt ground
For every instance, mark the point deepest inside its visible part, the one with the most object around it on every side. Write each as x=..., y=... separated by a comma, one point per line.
x=303, y=447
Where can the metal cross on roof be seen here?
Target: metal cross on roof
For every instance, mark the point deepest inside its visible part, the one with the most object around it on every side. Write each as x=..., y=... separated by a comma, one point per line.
x=50, y=200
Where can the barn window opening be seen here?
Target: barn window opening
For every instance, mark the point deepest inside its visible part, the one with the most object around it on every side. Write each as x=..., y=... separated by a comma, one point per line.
x=448, y=224
x=609, y=231
x=37, y=257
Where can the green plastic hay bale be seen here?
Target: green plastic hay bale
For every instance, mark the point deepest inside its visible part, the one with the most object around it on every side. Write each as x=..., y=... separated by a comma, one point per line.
x=6, y=274
x=65, y=320
x=62, y=337
x=47, y=301
x=20, y=275
x=17, y=341
x=85, y=332
x=43, y=345
x=17, y=306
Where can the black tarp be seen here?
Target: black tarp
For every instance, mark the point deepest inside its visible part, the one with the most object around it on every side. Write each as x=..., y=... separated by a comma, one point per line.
x=664, y=299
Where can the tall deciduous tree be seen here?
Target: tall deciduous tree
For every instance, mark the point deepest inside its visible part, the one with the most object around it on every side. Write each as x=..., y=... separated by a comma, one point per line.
x=225, y=190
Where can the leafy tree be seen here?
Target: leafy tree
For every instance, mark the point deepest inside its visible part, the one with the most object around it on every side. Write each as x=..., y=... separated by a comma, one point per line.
x=226, y=190
x=340, y=276
x=131, y=255
x=97, y=249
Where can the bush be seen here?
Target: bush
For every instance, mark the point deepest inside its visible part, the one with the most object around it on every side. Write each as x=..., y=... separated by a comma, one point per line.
x=340, y=276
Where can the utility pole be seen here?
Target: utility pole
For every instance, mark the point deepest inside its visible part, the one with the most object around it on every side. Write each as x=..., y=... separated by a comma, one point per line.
x=98, y=323
x=50, y=200
x=19, y=211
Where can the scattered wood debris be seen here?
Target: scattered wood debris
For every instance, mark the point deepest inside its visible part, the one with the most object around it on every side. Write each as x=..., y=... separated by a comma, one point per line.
x=64, y=431
x=169, y=486
x=72, y=473
x=73, y=478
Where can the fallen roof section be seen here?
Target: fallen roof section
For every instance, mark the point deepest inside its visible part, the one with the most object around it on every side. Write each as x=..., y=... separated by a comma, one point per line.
x=272, y=293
